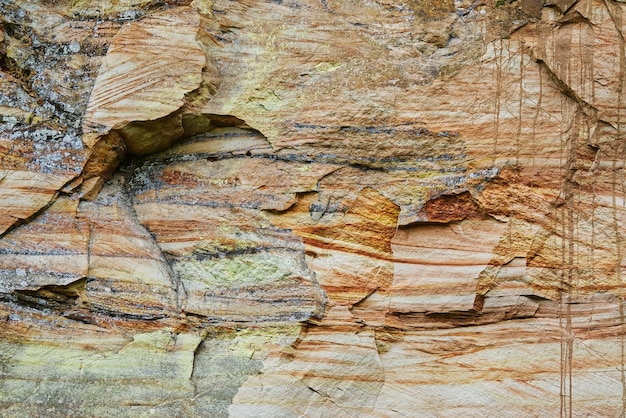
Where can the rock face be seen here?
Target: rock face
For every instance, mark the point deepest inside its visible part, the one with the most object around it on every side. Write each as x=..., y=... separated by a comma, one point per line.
x=312, y=208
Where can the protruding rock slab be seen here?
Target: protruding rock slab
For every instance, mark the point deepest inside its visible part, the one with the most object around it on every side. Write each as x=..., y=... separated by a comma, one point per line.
x=149, y=68
x=24, y=193
x=437, y=266
x=348, y=244
x=202, y=202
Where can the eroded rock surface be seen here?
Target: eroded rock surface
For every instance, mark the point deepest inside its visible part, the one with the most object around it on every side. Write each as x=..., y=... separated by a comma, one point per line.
x=312, y=208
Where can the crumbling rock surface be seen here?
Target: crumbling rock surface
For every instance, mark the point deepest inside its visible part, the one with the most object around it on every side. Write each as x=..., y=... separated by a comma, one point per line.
x=312, y=208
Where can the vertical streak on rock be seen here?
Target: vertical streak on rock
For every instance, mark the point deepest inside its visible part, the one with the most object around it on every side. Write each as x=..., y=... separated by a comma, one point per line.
x=568, y=264
x=498, y=58
x=618, y=272
x=90, y=235
x=562, y=387
x=564, y=286
x=537, y=111
x=563, y=366
x=570, y=269
x=520, y=107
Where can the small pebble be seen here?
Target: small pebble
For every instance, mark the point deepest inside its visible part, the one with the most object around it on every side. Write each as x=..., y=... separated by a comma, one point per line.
x=74, y=47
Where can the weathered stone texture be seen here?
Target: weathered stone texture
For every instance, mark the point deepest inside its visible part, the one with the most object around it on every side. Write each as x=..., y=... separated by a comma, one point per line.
x=312, y=208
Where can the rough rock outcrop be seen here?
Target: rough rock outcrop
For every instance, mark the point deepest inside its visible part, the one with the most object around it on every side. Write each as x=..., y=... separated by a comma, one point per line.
x=312, y=208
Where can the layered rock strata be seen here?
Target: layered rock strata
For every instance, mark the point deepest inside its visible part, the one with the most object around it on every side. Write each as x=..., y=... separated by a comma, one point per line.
x=312, y=208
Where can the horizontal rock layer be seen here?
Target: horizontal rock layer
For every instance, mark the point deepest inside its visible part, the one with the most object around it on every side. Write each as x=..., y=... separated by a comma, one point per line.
x=301, y=208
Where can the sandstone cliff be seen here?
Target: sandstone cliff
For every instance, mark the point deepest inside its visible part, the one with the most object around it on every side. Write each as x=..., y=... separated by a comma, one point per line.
x=316, y=208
